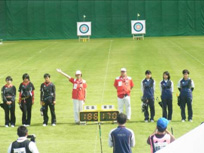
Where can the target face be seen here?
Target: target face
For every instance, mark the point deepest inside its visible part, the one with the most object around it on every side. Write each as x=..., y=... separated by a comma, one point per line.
x=83, y=28
x=138, y=27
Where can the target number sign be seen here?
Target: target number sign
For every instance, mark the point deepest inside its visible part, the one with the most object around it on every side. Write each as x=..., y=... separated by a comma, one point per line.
x=83, y=28
x=138, y=27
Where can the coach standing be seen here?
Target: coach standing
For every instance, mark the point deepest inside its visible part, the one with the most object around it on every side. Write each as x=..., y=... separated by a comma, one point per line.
x=124, y=85
x=186, y=87
x=78, y=92
x=8, y=92
x=26, y=99
x=47, y=98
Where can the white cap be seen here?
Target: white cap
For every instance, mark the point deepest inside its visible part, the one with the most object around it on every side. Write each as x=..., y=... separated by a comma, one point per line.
x=78, y=72
x=123, y=69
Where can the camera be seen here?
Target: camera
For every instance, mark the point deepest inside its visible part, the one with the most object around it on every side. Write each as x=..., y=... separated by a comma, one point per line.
x=41, y=110
x=31, y=137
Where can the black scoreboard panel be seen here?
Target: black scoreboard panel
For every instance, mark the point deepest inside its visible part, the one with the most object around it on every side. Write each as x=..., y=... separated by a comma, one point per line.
x=88, y=116
x=108, y=115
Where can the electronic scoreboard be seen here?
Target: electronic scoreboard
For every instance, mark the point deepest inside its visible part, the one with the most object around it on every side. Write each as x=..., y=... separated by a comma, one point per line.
x=105, y=113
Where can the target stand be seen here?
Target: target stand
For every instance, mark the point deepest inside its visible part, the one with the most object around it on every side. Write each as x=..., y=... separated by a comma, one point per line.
x=138, y=37
x=1, y=41
x=138, y=29
x=84, y=38
x=84, y=31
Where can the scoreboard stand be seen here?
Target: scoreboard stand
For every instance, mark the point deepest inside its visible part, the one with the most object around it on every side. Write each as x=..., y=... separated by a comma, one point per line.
x=98, y=113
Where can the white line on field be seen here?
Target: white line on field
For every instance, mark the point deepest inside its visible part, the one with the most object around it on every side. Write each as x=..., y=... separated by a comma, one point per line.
x=188, y=53
x=107, y=65
x=26, y=60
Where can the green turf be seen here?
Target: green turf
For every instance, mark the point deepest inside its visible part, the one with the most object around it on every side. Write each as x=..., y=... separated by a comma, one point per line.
x=94, y=59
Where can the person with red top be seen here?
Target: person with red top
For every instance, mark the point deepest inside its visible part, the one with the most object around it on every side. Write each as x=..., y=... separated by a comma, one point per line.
x=124, y=85
x=78, y=92
x=8, y=93
x=26, y=99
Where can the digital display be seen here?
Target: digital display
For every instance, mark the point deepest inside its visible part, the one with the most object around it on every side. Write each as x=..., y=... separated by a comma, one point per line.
x=108, y=115
x=88, y=116
x=104, y=116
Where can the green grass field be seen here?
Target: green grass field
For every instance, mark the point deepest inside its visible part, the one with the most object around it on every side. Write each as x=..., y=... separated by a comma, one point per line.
x=100, y=61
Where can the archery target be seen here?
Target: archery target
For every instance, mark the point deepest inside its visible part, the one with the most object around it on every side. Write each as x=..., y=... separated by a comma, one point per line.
x=83, y=28
x=138, y=27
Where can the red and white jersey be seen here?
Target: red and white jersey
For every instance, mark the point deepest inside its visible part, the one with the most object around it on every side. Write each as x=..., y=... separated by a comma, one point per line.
x=79, y=88
x=123, y=85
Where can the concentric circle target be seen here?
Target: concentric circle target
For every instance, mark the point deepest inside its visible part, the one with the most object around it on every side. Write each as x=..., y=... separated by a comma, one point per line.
x=84, y=28
x=138, y=26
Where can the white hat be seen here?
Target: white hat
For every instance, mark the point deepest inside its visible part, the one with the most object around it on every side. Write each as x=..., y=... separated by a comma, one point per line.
x=123, y=69
x=78, y=72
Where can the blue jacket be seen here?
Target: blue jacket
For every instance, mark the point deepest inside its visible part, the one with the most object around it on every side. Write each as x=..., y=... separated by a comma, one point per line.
x=121, y=139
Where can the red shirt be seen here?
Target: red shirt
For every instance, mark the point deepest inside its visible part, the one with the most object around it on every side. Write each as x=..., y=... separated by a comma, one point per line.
x=79, y=88
x=123, y=85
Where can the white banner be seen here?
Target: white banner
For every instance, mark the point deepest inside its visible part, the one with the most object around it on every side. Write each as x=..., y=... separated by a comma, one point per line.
x=138, y=27
x=83, y=28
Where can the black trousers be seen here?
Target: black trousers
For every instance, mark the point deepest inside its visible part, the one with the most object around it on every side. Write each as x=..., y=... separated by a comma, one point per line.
x=167, y=104
x=49, y=103
x=152, y=109
x=26, y=109
x=186, y=100
x=10, y=109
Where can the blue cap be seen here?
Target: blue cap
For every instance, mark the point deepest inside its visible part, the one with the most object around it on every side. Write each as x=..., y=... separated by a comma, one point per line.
x=162, y=123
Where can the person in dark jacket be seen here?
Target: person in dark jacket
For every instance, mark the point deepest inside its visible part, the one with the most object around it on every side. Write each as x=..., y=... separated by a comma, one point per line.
x=47, y=98
x=8, y=92
x=148, y=87
x=167, y=88
x=26, y=99
x=186, y=87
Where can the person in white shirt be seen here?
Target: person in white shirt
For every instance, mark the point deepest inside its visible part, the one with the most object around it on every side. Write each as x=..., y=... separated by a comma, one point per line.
x=22, y=144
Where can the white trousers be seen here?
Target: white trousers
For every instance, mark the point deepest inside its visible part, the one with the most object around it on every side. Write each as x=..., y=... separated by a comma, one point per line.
x=125, y=101
x=78, y=106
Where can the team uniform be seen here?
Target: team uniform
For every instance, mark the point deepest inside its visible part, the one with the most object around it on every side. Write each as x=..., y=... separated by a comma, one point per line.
x=26, y=96
x=47, y=96
x=167, y=87
x=148, y=87
x=9, y=94
x=23, y=145
x=124, y=86
x=159, y=141
x=186, y=87
x=78, y=96
x=121, y=139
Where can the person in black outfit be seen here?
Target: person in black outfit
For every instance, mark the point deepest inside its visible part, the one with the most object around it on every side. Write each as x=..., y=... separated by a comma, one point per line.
x=8, y=92
x=26, y=99
x=47, y=98
x=166, y=86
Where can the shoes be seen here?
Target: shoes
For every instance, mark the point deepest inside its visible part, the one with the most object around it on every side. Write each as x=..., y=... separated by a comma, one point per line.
x=6, y=126
x=27, y=125
x=183, y=121
x=146, y=121
x=53, y=124
x=44, y=124
x=12, y=126
x=190, y=120
x=152, y=121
